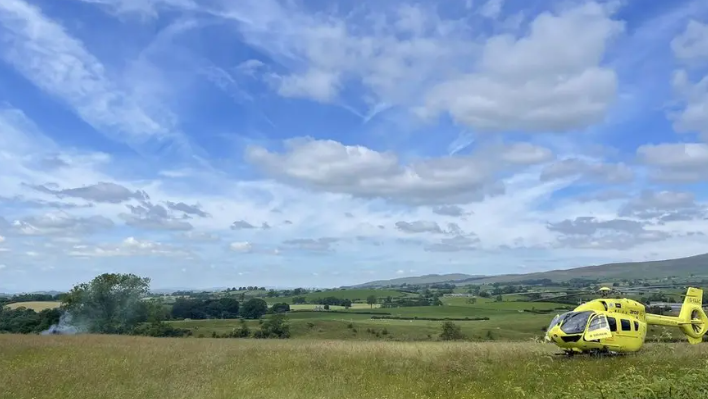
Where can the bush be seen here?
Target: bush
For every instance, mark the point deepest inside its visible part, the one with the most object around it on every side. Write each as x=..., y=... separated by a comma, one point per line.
x=160, y=329
x=275, y=327
x=243, y=331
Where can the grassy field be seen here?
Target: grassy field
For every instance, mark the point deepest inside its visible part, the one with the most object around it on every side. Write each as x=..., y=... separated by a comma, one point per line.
x=355, y=306
x=118, y=367
x=36, y=306
x=355, y=295
x=506, y=325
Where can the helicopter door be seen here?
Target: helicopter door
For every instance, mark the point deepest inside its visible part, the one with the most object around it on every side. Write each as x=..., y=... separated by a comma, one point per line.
x=598, y=328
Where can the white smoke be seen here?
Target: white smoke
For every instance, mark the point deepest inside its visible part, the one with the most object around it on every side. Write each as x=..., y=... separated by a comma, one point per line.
x=64, y=327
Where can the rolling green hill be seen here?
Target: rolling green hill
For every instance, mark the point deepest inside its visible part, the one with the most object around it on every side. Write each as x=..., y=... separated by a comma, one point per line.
x=682, y=267
x=427, y=279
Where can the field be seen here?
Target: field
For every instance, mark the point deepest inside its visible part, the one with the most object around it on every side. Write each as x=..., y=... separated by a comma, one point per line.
x=355, y=295
x=355, y=306
x=137, y=367
x=37, y=306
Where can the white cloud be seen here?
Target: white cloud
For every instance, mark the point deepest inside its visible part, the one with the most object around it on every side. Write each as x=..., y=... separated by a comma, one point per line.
x=44, y=52
x=551, y=80
x=241, y=246
x=148, y=9
x=130, y=247
x=691, y=49
x=357, y=170
x=596, y=172
x=492, y=8
x=676, y=162
x=691, y=46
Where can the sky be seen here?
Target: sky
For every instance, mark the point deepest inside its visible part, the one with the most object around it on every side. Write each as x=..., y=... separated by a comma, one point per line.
x=294, y=143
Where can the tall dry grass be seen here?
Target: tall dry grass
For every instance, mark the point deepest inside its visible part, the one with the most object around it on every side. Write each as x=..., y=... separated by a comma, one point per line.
x=117, y=367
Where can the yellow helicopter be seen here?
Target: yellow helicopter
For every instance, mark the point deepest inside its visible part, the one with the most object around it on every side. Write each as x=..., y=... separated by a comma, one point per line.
x=619, y=325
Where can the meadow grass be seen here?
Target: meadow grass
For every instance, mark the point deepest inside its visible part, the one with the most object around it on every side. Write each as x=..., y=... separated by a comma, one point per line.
x=117, y=367
x=37, y=306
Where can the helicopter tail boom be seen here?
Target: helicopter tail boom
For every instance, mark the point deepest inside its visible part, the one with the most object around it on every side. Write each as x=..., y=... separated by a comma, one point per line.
x=692, y=320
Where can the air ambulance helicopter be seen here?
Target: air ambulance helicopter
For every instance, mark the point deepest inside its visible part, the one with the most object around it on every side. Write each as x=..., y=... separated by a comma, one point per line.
x=619, y=325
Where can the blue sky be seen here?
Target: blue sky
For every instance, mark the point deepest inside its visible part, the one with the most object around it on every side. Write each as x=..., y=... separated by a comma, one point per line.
x=283, y=143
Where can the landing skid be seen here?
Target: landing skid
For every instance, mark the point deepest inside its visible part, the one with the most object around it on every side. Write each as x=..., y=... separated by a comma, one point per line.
x=591, y=353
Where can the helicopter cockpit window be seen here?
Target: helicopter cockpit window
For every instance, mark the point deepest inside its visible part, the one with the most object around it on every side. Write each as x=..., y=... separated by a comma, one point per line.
x=575, y=323
x=597, y=323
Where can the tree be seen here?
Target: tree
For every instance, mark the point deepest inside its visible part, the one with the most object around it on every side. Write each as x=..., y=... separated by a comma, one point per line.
x=254, y=308
x=109, y=304
x=371, y=300
x=280, y=308
x=450, y=331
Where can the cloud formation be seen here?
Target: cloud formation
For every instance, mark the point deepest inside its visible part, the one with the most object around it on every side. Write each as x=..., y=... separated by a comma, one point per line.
x=276, y=143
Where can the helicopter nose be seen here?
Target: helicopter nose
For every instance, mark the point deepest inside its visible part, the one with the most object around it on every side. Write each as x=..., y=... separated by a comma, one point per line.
x=552, y=335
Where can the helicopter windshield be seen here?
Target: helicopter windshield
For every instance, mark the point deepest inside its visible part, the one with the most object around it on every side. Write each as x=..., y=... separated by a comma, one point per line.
x=575, y=322
x=556, y=320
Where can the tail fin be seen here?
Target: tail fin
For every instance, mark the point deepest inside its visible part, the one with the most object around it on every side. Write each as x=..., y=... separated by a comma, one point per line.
x=694, y=322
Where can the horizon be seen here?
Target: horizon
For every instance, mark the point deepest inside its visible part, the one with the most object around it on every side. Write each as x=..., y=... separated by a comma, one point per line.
x=275, y=143
x=162, y=289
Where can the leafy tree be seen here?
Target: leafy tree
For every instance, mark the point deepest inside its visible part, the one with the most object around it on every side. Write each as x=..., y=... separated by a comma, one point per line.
x=110, y=303
x=280, y=308
x=27, y=321
x=451, y=331
x=299, y=300
x=254, y=308
x=371, y=300
x=197, y=308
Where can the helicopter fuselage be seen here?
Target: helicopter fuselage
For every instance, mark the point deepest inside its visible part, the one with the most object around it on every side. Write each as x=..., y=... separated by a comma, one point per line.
x=615, y=325
x=620, y=325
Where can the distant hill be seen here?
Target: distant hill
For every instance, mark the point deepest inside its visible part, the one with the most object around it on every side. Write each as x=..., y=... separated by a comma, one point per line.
x=682, y=267
x=6, y=293
x=427, y=279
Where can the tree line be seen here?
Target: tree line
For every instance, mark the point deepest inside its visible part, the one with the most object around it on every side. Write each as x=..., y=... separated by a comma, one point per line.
x=116, y=304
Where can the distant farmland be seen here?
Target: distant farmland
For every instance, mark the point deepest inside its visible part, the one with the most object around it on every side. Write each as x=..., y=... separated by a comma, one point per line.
x=37, y=306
